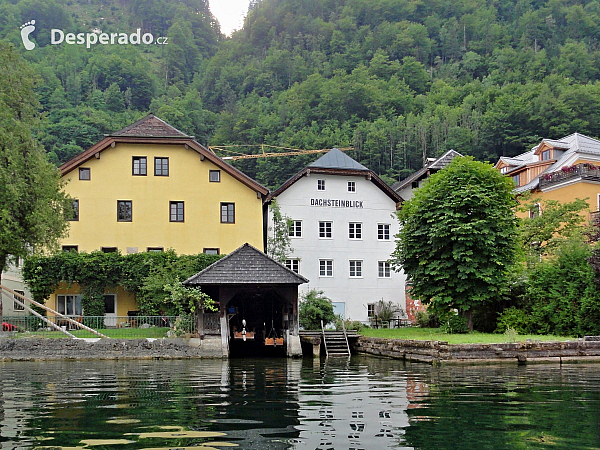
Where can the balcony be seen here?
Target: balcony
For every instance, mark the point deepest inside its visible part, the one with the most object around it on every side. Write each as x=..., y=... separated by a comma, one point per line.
x=584, y=171
x=595, y=218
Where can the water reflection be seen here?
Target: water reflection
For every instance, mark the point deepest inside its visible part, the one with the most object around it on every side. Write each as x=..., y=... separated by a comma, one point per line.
x=363, y=403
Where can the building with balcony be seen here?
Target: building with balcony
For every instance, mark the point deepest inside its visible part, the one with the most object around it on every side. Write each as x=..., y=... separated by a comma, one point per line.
x=562, y=170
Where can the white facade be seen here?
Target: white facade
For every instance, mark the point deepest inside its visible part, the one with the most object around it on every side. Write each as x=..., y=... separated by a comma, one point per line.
x=343, y=235
x=11, y=278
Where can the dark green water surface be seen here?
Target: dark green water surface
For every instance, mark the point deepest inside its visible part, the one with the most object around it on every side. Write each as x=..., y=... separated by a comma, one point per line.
x=364, y=403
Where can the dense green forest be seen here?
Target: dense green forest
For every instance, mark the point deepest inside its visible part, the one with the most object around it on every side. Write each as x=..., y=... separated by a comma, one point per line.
x=397, y=79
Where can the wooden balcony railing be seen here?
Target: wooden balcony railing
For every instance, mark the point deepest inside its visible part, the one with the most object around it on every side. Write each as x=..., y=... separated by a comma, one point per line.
x=585, y=171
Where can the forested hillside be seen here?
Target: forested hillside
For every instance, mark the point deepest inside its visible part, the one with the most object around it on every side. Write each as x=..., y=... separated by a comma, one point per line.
x=397, y=79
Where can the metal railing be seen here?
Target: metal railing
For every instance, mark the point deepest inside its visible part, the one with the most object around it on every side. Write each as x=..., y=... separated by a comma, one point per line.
x=119, y=327
x=583, y=170
x=396, y=322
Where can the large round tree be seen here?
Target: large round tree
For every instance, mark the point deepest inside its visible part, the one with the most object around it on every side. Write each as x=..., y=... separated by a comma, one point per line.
x=457, y=237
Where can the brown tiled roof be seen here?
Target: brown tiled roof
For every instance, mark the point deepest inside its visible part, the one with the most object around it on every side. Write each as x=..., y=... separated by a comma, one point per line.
x=246, y=265
x=149, y=123
x=150, y=126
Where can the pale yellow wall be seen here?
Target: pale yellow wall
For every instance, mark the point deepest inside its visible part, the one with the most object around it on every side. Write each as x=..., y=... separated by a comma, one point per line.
x=112, y=180
x=569, y=193
x=125, y=300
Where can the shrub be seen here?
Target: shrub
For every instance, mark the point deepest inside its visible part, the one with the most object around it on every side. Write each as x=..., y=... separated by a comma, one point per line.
x=455, y=324
x=515, y=319
x=354, y=325
x=315, y=307
x=425, y=320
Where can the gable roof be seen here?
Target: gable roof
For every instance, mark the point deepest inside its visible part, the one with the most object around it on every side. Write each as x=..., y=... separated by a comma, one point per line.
x=438, y=164
x=246, y=265
x=336, y=159
x=573, y=145
x=150, y=126
x=153, y=130
x=338, y=163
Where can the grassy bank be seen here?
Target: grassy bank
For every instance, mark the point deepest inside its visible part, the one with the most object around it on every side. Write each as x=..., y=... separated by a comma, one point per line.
x=434, y=334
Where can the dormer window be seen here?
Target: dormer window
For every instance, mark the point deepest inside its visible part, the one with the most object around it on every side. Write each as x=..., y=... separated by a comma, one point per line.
x=545, y=155
x=504, y=169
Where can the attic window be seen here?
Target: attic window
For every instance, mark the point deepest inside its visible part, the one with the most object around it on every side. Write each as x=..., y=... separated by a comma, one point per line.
x=84, y=173
x=545, y=155
x=504, y=169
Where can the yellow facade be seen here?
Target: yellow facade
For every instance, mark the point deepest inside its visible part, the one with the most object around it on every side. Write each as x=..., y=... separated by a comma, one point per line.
x=111, y=179
x=125, y=301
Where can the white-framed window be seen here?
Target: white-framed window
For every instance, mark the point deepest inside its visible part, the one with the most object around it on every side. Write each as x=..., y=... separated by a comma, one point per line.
x=384, y=269
x=355, y=268
x=320, y=185
x=295, y=229
x=370, y=309
x=535, y=211
x=383, y=231
x=545, y=155
x=326, y=267
x=355, y=230
x=351, y=186
x=504, y=169
x=325, y=229
x=293, y=264
x=17, y=306
x=69, y=305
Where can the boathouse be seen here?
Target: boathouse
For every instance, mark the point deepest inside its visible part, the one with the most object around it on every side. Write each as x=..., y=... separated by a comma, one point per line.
x=257, y=299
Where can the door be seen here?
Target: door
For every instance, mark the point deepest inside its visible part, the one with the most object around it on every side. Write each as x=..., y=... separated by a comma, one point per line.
x=110, y=310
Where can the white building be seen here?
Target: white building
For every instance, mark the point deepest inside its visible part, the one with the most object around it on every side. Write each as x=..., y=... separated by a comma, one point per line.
x=11, y=278
x=343, y=233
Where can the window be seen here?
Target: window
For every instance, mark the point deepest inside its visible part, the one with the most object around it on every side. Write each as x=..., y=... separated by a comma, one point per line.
x=517, y=179
x=212, y=251
x=110, y=303
x=214, y=176
x=108, y=249
x=161, y=167
x=355, y=269
x=124, y=211
x=545, y=155
x=69, y=248
x=535, y=211
x=325, y=230
x=383, y=231
x=351, y=186
x=320, y=185
x=325, y=267
x=18, y=306
x=371, y=309
x=384, y=269
x=69, y=305
x=293, y=264
x=75, y=206
x=355, y=230
x=296, y=228
x=504, y=169
x=154, y=249
x=176, y=211
x=139, y=165
x=227, y=212
x=85, y=174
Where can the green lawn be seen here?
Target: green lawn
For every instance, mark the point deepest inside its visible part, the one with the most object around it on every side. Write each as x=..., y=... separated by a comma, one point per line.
x=434, y=334
x=115, y=333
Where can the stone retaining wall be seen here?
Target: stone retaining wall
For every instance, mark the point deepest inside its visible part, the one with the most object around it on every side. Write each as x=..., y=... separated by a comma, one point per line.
x=434, y=352
x=29, y=349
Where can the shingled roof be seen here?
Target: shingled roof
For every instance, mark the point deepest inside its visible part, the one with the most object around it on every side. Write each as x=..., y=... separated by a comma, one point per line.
x=246, y=265
x=150, y=126
x=336, y=159
x=438, y=164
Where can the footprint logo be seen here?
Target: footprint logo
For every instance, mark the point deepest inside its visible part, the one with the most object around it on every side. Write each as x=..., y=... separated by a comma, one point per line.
x=26, y=29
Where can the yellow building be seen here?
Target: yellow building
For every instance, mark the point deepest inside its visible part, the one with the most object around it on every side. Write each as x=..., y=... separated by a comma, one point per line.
x=563, y=170
x=150, y=187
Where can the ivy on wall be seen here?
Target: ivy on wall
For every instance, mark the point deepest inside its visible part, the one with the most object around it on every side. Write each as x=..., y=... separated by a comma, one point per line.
x=153, y=277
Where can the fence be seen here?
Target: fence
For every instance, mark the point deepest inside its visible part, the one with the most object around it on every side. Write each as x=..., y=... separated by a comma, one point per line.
x=118, y=327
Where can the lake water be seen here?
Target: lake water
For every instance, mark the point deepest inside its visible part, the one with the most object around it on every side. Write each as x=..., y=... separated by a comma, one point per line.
x=362, y=403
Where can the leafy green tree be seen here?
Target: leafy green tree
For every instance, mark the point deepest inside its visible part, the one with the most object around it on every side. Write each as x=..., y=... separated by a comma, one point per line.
x=279, y=244
x=314, y=308
x=457, y=237
x=32, y=205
